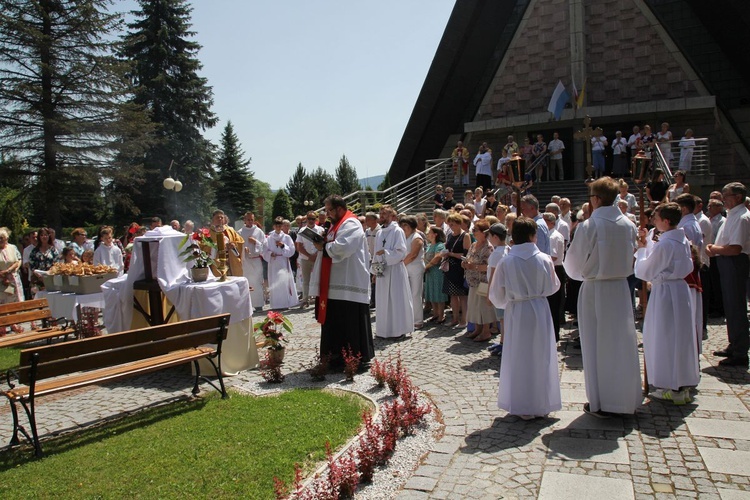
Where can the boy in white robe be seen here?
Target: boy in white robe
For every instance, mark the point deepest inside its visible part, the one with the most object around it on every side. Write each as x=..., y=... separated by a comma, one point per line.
x=668, y=340
x=529, y=383
x=108, y=254
x=395, y=315
x=252, y=266
x=601, y=256
x=277, y=250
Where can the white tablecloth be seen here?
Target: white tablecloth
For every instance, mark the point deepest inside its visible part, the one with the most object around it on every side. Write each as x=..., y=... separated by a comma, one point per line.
x=64, y=305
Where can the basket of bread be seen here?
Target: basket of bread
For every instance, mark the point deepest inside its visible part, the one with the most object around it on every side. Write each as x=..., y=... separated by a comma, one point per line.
x=78, y=278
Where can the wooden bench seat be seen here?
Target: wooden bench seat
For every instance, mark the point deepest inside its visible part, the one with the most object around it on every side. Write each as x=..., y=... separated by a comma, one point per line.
x=26, y=312
x=71, y=365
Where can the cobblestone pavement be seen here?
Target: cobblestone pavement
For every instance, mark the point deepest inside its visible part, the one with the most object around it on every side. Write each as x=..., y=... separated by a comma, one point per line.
x=700, y=450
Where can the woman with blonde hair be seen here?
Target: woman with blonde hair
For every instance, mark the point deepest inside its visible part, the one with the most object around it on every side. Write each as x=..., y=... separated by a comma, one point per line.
x=11, y=289
x=480, y=311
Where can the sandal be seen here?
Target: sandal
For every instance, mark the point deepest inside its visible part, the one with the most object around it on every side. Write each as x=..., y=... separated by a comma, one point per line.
x=482, y=338
x=440, y=321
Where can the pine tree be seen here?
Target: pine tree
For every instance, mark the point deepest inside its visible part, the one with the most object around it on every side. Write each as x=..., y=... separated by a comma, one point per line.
x=282, y=207
x=386, y=183
x=346, y=176
x=165, y=75
x=300, y=188
x=236, y=187
x=324, y=185
x=62, y=104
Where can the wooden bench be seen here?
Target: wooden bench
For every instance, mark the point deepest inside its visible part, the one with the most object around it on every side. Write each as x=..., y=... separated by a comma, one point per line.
x=61, y=367
x=32, y=310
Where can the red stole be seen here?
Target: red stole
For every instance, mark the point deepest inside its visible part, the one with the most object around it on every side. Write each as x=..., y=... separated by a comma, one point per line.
x=321, y=302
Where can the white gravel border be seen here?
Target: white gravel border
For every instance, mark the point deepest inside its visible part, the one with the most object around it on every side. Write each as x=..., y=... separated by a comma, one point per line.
x=387, y=480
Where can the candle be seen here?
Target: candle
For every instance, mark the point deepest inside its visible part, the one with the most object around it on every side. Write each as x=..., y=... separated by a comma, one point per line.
x=220, y=243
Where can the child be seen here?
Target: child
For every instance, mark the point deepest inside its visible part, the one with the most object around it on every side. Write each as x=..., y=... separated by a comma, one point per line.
x=87, y=257
x=439, y=198
x=529, y=385
x=107, y=253
x=498, y=233
x=668, y=330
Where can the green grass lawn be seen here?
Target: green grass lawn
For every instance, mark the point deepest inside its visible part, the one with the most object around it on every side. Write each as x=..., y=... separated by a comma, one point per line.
x=9, y=358
x=199, y=449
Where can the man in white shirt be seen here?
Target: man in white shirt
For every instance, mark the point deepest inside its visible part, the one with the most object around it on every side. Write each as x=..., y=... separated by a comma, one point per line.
x=483, y=164
x=601, y=255
x=561, y=226
x=252, y=263
x=555, y=148
x=716, y=216
x=708, y=238
x=633, y=141
x=689, y=222
x=565, y=212
x=307, y=255
x=557, y=252
x=731, y=248
x=598, y=145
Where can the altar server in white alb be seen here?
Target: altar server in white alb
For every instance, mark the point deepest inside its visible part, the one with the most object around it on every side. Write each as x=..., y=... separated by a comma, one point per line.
x=252, y=267
x=529, y=384
x=395, y=316
x=277, y=250
x=668, y=341
x=601, y=255
x=108, y=254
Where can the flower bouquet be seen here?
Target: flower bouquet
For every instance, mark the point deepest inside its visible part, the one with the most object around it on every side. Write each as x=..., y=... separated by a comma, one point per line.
x=194, y=251
x=271, y=330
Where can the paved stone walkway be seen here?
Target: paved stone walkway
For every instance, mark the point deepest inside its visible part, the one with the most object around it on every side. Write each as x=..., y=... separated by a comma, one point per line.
x=664, y=451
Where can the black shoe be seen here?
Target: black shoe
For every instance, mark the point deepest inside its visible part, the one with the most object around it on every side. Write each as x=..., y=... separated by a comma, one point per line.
x=734, y=362
x=724, y=353
x=597, y=414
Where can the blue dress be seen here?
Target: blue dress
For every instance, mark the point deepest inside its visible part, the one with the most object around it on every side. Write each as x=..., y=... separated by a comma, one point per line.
x=433, y=277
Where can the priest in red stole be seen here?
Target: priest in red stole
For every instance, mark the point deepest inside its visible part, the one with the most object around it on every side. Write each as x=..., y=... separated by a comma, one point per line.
x=341, y=283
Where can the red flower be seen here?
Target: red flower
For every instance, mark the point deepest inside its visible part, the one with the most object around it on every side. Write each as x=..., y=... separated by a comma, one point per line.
x=277, y=318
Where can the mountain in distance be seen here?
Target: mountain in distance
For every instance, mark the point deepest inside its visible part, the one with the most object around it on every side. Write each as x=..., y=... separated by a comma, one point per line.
x=373, y=181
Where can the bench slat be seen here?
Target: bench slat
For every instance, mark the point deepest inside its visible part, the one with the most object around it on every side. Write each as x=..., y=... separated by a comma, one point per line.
x=34, y=336
x=116, y=340
x=26, y=305
x=112, y=373
x=25, y=317
x=118, y=356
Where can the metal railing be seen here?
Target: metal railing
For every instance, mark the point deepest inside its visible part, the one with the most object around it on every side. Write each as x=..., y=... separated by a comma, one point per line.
x=691, y=155
x=410, y=195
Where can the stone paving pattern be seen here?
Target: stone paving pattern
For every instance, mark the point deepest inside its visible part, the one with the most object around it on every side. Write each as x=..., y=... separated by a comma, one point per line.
x=701, y=450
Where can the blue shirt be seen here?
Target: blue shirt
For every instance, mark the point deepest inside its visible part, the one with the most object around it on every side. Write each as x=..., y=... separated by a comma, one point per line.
x=542, y=234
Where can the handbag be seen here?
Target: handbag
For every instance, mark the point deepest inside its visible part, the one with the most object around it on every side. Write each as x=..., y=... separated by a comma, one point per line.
x=483, y=289
x=444, y=265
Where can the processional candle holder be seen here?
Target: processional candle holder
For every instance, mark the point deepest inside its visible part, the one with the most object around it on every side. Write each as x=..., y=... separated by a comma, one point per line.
x=221, y=256
x=639, y=166
x=517, y=170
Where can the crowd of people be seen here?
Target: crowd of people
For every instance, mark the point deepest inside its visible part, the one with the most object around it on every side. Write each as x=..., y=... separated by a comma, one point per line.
x=509, y=272
x=545, y=160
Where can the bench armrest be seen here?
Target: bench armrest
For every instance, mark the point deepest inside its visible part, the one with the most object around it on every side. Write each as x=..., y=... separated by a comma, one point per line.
x=9, y=376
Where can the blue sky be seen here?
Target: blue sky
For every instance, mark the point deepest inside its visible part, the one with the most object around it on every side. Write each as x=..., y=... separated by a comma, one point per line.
x=308, y=81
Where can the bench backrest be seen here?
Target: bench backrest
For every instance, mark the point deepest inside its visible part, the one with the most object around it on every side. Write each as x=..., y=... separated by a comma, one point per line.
x=119, y=348
x=23, y=312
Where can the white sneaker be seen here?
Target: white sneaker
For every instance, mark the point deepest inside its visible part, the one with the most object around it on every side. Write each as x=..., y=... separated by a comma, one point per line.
x=659, y=393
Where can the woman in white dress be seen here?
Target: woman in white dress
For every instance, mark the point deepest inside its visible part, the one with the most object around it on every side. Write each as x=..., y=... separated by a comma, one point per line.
x=687, y=146
x=277, y=250
x=414, y=262
x=11, y=289
x=662, y=141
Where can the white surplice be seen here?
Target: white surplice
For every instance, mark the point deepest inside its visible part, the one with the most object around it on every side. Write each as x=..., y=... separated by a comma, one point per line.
x=109, y=256
x=394, y=308
x=281, y=287
x=601, y=255
x=529, y=382
x=668, y=339
x=252, y=266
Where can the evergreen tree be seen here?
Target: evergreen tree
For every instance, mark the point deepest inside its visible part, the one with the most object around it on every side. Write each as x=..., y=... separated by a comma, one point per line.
x=236, y=192
x=300, y=188
x=63, y=111
x=282, y=206
x=324, y=185
x=346, y=176
x=165, y=75
x=386, y=182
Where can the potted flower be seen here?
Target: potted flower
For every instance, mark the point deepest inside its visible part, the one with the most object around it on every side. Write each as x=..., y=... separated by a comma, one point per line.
x=195, y=252
x=271, y=332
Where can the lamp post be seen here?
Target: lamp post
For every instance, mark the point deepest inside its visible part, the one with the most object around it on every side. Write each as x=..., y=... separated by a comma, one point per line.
x=171, y=184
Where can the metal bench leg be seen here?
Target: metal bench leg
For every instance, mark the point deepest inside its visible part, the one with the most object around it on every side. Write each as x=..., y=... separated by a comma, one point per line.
x=223, y=389
x=14, y=439
x=196, y=388
x=32, y=422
